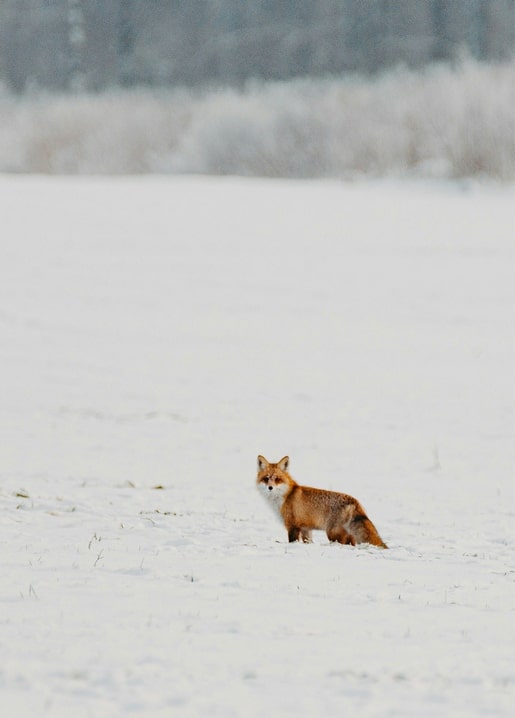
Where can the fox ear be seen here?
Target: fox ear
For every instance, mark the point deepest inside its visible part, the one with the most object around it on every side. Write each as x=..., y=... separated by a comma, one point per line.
x=284, y=463
x=262, y=462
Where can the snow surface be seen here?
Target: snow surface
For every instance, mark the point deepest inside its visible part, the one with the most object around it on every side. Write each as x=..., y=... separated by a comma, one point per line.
x=156, y=335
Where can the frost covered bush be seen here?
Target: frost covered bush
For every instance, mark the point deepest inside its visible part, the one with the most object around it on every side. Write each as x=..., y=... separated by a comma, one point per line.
x=441, y=122
x=267, y=130
x=110, y=133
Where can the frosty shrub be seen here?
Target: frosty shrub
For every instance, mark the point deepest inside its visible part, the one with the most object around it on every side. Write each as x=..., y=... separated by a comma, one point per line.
x=439, y=122
x=267, y=130
x=110, y=133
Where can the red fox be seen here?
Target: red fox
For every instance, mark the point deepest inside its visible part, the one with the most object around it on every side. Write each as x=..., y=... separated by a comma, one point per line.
x=303, y=508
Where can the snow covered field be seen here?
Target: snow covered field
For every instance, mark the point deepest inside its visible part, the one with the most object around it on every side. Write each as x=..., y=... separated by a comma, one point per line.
x=156, y=335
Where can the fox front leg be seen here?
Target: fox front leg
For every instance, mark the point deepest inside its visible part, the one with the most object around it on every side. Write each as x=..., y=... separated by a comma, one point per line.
x=298, y=534
x=306, y=535
x=294, y=534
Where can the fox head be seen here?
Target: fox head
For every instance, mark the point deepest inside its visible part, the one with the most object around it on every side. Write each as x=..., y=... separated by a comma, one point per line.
x=273, y=480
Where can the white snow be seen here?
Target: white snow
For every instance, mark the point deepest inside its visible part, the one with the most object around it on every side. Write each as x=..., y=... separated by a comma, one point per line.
x=160, y=332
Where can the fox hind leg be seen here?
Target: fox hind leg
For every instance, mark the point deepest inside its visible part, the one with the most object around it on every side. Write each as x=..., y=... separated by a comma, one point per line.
x=339, y=534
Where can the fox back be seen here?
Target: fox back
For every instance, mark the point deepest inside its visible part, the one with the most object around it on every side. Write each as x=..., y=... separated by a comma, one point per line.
x=304, y=508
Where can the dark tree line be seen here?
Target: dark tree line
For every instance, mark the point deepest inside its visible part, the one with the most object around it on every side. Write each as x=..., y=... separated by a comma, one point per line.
x=93, y=44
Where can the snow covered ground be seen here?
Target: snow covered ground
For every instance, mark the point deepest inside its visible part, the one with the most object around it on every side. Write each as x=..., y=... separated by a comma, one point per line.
x=156, y=335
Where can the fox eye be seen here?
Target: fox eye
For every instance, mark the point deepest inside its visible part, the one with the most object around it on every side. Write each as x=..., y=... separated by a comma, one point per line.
x=278, y=481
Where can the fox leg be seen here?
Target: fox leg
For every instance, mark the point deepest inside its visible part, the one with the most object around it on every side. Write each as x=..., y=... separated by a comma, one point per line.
x=296, y=534
x=293, y=534
x=338, y=533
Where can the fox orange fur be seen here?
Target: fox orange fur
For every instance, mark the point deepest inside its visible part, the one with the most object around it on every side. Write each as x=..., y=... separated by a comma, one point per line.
x=303, y=508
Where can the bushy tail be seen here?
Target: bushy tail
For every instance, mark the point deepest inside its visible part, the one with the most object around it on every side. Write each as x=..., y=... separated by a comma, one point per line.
x=364, y=531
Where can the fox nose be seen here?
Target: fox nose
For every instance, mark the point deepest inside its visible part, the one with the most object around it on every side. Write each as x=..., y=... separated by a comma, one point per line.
x=270, y=488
